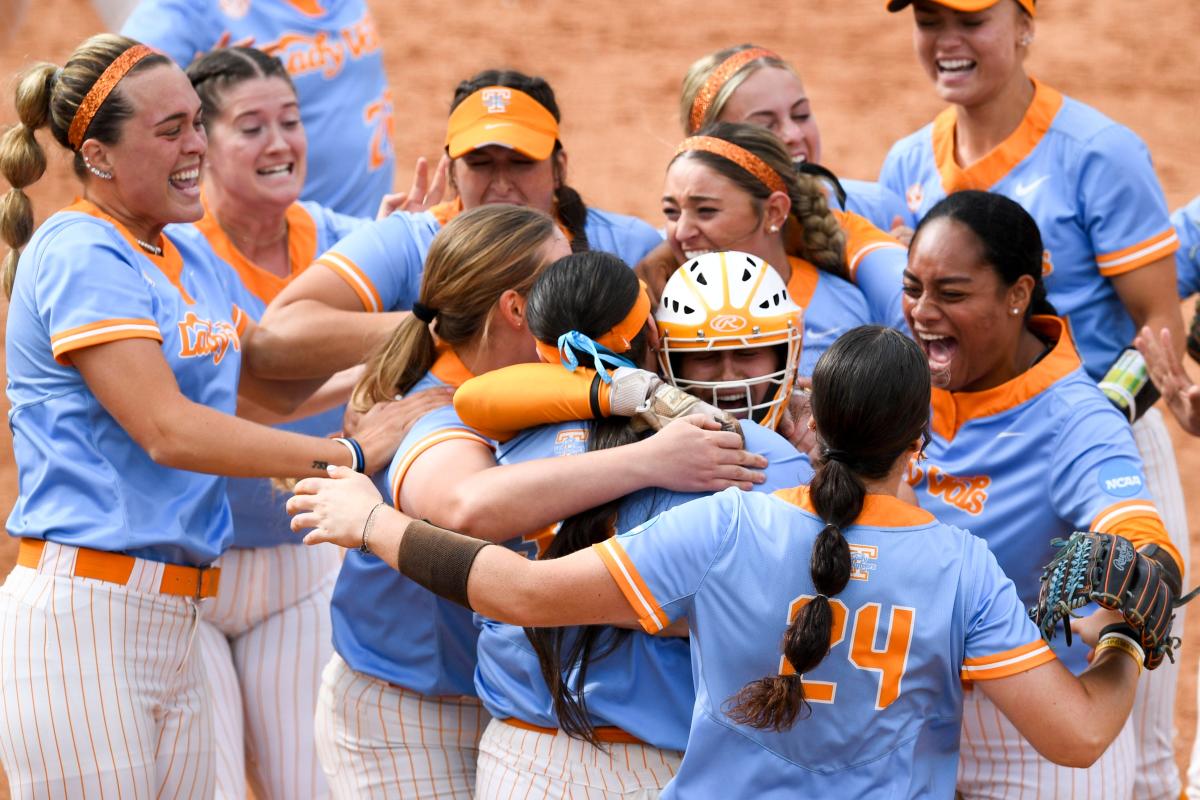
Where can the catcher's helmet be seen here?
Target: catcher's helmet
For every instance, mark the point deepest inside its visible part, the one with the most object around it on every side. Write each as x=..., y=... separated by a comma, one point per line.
x=731, y=301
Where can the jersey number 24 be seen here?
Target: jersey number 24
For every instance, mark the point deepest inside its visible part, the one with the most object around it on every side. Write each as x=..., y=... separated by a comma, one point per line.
x=888, y=663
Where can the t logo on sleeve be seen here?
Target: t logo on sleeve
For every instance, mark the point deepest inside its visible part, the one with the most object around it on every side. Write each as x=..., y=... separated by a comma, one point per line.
x=1121, y=478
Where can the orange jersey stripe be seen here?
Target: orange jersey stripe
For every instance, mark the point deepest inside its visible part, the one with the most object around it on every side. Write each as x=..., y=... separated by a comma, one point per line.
x=1138, y=255
x=1010, y=662
x=423, y=446
x=94, y=333
x=650, y=614
x=358, y=280
x=1139, y=522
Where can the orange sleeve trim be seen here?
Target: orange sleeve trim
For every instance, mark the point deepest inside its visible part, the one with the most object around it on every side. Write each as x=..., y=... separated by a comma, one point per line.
x=94, y=333
x=423, y=446
x=1010, y=662
x=857, y=260
x=358, y=280
x=1139, y=255
x=1139, y=522
x=863, y=237
x=650, y=614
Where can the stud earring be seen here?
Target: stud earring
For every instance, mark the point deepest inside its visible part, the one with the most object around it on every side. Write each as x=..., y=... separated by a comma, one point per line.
x=1026, y=39
x=1015, y=311
x=99, y=173
x=773, y=229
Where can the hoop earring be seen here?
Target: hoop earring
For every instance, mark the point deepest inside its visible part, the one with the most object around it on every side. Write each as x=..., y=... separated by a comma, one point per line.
x=99, y=173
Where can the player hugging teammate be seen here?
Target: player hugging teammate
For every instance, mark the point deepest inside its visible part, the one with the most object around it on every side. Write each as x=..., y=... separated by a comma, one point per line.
x=775, y=490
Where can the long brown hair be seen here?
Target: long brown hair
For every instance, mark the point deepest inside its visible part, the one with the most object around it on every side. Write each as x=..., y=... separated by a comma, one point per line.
x=49, y=96
x=475, y=258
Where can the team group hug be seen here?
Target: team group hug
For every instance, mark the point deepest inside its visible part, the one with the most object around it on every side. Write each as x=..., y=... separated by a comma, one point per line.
x=813, y=487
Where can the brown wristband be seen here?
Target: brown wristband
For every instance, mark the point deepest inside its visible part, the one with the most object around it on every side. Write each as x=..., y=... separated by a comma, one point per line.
x=438, y=559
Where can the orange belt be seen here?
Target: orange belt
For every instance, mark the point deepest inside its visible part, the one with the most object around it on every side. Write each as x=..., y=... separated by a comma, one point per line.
x=197, y=582
x=607, y=734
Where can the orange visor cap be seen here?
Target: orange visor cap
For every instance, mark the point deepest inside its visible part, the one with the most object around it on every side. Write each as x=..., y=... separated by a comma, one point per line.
x=502, y=116
x=963, y=5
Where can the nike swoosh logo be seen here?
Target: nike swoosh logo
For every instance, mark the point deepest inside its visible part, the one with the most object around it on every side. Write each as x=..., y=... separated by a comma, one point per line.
x=1007, y=434
x=1027, y=188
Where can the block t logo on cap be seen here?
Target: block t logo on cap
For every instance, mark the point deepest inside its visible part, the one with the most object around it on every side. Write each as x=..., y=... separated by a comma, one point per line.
x=496, y=100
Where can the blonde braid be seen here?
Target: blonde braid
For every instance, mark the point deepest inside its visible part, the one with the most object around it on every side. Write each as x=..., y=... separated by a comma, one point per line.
x=812, y=231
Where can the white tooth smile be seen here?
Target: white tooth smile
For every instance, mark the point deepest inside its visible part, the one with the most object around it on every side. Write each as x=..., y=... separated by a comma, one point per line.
x=277, y=170
x=955, y=64
x=185, y=175
x=696, y=253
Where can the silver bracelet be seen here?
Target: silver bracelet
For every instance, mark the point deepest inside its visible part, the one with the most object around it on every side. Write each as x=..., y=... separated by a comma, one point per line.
x=366, y=534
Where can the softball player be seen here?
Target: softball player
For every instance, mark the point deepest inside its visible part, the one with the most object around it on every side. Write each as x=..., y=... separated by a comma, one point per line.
x=752, y=84
x=1025, y=448
x=502, y=140
x=266, y=637
x=845, y=558
x=1089, y=183
x=334, y=54
x=123, y=351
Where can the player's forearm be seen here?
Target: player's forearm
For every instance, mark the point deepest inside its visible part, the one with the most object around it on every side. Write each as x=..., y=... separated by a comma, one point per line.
x=330, y=394
x=1106, y=693
x=516, y=499
x=198, y=438
x=308, y=339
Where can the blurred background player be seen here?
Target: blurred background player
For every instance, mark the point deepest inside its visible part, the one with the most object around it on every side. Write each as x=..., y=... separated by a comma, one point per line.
x=1090, y=185
x=1025, y=448
x=749, y=570
x=503, y=145
x=333, y=52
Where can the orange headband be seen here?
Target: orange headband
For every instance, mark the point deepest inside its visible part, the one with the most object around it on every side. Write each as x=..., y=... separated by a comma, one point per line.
x=101, y=89
x=619, y=337
x=738, y=155
x=719, y=77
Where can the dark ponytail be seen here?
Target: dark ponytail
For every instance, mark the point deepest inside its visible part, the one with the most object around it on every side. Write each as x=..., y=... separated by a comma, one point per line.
x=570, y=208
x=590, y=293
x=870, y=402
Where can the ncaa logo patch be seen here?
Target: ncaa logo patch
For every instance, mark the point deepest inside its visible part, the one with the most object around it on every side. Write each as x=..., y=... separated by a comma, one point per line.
x=728, y=323
x=496, y=100
x=1121, y=478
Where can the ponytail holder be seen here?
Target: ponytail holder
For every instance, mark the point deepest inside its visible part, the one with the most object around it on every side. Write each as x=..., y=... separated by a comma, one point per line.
x=717, y=79
x=738, y=155
x=819, y=594
x=573, y=342
x=101, y=89
x=833, y=454
x=424, y=313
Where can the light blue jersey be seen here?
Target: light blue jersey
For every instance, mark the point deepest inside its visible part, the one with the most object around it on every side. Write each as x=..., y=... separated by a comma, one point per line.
x=645, y=685
x=877, y=203
x=259, y=518
x=83, y=481
x=1187, y=259
x=876, y=261
x=926, y=607
x=1089, y=184
x=831, y=306
x=383, y=261
x=333, y=52
x=1032, y=460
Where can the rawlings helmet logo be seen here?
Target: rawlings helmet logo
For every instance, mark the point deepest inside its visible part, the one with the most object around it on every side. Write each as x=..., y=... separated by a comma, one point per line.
x=496, y=100
x=727, y=323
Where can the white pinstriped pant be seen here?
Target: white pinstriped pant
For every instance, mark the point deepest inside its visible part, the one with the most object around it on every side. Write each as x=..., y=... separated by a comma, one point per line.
x=375, y=739
x=100, y=694
x=264, y=640
x=517, y=763
x=997, y=762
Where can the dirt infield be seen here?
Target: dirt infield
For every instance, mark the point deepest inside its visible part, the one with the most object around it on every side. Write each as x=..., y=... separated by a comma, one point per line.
x=616, y=67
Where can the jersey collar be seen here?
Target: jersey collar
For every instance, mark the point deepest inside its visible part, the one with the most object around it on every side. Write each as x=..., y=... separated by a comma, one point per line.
x=952, y=410
x=302, y=250
x=989, y=170
x=449, y=368
x=170, y=263
x=803, y=281
x=878, y=511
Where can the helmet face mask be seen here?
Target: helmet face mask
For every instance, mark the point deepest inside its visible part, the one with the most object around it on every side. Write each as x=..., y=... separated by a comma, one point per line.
x=731, y=301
